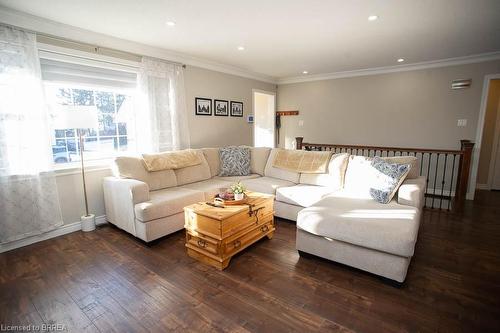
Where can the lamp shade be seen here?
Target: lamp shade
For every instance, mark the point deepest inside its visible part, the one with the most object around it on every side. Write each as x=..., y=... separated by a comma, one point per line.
x=75, y=116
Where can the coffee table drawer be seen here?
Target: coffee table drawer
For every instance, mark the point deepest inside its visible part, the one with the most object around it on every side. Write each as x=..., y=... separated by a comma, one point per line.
x=203, y=243
x=234, y=245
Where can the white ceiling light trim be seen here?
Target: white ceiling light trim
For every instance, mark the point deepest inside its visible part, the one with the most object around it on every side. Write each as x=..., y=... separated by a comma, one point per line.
x=401, y=60
x=396, y=68
x=49, y=27
x=372, y=18
x=241, y=48
x=170, y=23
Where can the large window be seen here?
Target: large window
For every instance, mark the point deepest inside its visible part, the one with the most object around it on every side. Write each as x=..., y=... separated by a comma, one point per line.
x=103, y=90
x=115, y=122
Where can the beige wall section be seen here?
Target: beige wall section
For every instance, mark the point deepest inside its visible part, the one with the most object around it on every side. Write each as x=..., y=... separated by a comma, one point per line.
x=409, y=109
x=70, y=190
x=212, y=131
x=490, y=120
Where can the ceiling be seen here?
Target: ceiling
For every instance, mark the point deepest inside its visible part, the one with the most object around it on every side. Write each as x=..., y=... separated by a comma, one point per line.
x=283, y=38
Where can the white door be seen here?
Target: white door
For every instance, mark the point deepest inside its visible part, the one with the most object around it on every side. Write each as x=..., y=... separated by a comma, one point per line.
x=264, y=118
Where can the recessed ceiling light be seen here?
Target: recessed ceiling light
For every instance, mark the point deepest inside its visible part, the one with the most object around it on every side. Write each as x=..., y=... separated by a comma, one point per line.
x=305, y=72
x=170, y=23
x=372, y=17
x=241, y=48
x=401, y=60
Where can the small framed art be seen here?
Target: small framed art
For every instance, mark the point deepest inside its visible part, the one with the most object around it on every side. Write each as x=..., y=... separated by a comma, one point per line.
x=221, y=107
x=203, y=106
x=236, y=109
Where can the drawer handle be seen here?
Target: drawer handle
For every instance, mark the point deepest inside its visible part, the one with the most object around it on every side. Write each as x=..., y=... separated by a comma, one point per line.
x=264, y=228
x=202, y=243
x=237, y=243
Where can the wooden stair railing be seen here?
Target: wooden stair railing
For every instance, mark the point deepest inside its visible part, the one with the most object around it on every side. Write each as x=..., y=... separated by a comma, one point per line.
x=446, y=171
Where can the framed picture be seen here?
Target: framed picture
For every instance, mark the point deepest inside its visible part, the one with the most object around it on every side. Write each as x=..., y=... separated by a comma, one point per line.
x=236, y=109
x=203, y=106
x=221, y=107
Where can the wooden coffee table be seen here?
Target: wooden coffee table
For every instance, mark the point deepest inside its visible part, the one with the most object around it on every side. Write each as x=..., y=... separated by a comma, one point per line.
x=214, y=235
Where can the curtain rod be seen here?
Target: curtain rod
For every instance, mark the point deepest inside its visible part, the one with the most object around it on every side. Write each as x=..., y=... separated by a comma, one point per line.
x=95, y=47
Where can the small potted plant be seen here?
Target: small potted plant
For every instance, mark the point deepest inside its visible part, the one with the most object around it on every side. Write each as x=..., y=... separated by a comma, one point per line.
x=238, y=190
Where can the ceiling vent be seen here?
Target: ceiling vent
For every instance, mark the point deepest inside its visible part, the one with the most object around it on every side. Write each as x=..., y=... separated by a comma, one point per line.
x=461, y=84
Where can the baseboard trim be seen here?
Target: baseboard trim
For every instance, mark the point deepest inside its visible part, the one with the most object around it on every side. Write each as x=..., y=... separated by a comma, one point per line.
x=483, y=187
x=62, y=230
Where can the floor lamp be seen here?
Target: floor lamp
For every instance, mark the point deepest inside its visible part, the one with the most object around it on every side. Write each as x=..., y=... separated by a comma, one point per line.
x=79, y=118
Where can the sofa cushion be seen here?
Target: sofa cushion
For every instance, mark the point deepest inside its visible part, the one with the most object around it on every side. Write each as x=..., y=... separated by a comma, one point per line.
x=389, y=177
x=302, y=195
x=194, y=173
x=235, y=179
x=213, y=160
x=266, y=184
x=132, y=167
x=258, y=159
x=271, y=171
x=333, y=178
x=166, y=202
x=359, y=175
x=208, y=187
x=234, y=161
x=390, y=228
x=411, y=160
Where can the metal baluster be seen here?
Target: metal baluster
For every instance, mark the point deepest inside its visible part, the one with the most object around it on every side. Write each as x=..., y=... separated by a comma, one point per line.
x=452, y=177
x=427, y=176
x=435, y=179
x=421, y=162
x=444, y=180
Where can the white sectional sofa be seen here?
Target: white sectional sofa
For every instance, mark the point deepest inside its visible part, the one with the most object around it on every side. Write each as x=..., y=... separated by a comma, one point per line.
x=336, y=218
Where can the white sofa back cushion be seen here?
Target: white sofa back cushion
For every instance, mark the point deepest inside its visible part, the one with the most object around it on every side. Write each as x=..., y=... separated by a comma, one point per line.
x=411, y=160
x=271, y=171
x=213, y=159
x=333, y=178
x=258, y=159
x=194, y=173
x=133, y=168
x=359, y=176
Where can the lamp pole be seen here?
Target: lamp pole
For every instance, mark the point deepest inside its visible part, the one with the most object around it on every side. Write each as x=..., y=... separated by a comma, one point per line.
x=80, y=134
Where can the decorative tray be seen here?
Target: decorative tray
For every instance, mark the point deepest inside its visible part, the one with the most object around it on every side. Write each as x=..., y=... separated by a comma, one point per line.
x=218, y=199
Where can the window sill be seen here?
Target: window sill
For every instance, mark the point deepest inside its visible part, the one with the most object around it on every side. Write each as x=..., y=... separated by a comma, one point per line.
x=75, y=167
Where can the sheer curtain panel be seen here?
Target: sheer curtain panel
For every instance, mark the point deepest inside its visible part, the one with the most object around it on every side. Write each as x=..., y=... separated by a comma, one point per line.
x=29, y=203
x=161, y=114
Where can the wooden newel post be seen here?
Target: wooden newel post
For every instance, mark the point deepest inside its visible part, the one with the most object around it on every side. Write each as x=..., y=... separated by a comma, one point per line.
x=298, y=142
x=463, y=171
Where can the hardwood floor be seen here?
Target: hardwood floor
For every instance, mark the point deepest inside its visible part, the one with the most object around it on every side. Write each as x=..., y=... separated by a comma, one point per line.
x=109, y=281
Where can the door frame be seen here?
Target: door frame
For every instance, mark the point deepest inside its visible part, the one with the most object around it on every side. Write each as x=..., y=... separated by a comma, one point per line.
x=494, y=152
x=479, y=135
x=267, y=92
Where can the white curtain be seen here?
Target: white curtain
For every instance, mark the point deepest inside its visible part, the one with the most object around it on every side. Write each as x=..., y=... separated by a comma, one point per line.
x=29, y=203
x=161, y=118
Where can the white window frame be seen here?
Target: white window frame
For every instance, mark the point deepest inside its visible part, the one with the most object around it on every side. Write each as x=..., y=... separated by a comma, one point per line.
x=52, y=52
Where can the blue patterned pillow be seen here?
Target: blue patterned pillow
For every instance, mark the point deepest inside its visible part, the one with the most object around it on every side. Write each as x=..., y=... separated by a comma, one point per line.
x=234, y=161
x=389, y=178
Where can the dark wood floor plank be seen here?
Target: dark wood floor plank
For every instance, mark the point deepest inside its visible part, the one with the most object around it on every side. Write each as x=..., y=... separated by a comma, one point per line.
x=108, y=281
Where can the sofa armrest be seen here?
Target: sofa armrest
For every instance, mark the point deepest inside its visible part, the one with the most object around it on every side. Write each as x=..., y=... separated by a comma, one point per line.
x=411, y=192
x=120, y=197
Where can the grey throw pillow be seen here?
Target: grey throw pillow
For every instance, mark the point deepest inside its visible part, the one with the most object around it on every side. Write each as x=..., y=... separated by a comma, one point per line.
x=234, y=161
x=389, y=178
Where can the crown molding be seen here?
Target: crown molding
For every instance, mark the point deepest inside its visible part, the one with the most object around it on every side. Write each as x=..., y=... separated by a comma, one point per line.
x=393, y=69
x=52, y=28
